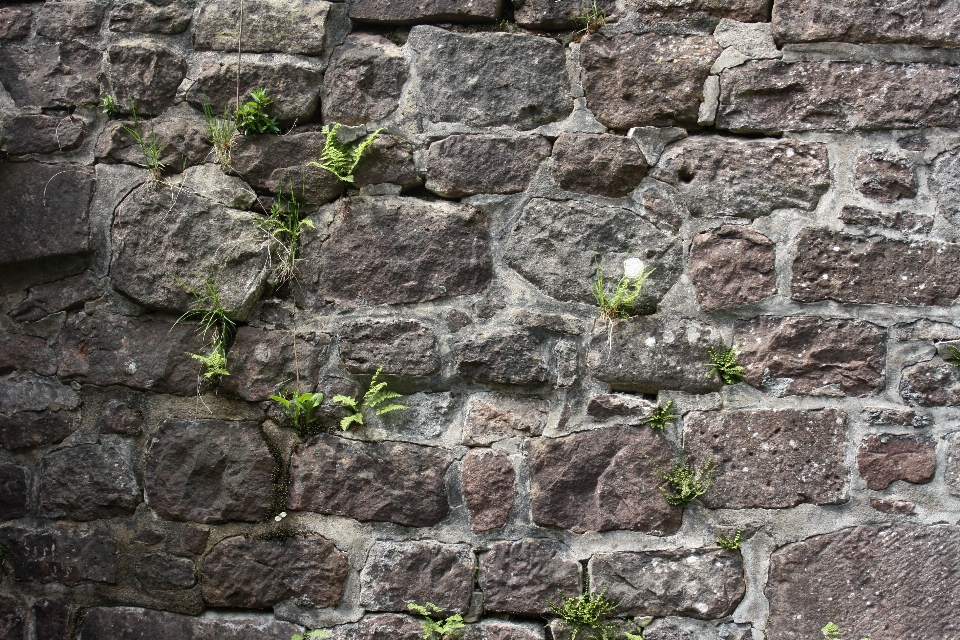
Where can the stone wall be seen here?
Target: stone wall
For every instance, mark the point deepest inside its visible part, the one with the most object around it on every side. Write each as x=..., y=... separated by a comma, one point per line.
x=790, y=169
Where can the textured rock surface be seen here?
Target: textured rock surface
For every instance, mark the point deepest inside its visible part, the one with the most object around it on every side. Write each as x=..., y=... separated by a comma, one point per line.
x=274, y=163
x=403, y=347
x=396, y=574
x=63, y=552
x=26, y=353
x=621, y=408
x=382, y=625
x=601, y=480
x=932, y=383
x=42, y=134
x=14, y=482
x=410, y=11
x=952, y=471
x=50, y=75
x=261, y=362
x=704, y=584
x=650, y=353
x=945, y=185
x=492, y=417
x=885, y=458
x=180, y=132
x=374, y=254
x=807, y=355
x=770, y=459
x=209, y=471
x=500, y=630
x=488, y=488
x=363, y=81
x=120, y=623
x=747, y=178
x=902, y=220
x=884, y=179
x=145, y=74
x=908, y=560
x=769, y=95
x=513, y=357
x=516, y=80
x=731, y=267
x=744, y=10
x=646, y=80
x=35, y=411
x=251, y=573
x=596, y=164
x=371, y=481
x=161, y=571
x=554, y=14
x=69, y=19
x=15, y=22
x=142, y=16
x=12, y=618
x=830, y=265
x=524, y=575
x=68, y=294
x=464, y=165
x=554, y=245
x=87, y=482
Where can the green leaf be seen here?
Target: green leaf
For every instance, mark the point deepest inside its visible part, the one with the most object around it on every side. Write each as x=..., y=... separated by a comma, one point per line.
x=389, y=408
x=353, y=418
x=346, y=401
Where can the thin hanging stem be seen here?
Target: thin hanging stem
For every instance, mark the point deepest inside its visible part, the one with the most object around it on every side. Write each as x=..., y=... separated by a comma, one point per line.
x=239, y=52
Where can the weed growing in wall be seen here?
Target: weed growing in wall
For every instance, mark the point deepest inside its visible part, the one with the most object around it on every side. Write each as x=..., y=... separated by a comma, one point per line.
x=730, y=543
x=374, y=397
x=316, y=633
x=149, y=145
x=833, y=632
x=683, y=482
x=222, y=132
x=252, y=116
x=590, y=18
x=109, y=105
x=723, y=362
x=299, y=408
x=587, y=610
x=213, y=324
x=662, y=416
x=622, y=302
x=285, y=223
x=342, y=159
x=435, y=628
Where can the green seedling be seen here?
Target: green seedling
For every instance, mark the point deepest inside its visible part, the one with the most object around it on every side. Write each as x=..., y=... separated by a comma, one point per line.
x=299, y=408
x=374, y=397
x=342, y=159
x=214, y=363
x=588, y=610
x=723, y=362
x=434, y=628
x=662, y=416
x=590, y=18
x=222, y=132
x=149, y=145
x=285, y=223
x=730, y=543
x=252, y=116
x=622, y=303
x=109, y=105
x=833, y=632
x=684, y=483
x=213, y=324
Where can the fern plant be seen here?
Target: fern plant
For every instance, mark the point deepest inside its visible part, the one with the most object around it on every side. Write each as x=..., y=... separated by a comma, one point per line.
x=374, y=397
x=833, y=632
x=214, y=363
x=621, y=303
x=299, y=408
x=587, y=610
x=683, y=482
x=285, y=223
x=342, y=159
x=213, y=324
x=252, y=116
x=436, y=629
x=661, y=416
x=222, y=132
x=149, y=145
x=730, y=543
x=723, y=362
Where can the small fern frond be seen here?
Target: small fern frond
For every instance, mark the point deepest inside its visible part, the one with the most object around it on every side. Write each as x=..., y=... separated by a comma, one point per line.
x=389, y=408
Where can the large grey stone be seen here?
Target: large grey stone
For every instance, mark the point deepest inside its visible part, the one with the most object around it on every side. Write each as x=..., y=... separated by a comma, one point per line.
x=363, y=81
x=515, y=80
x=770, y=459
x=14, y=499
x=69, y=19
x=87, y=482
x=45, y=299
x=371, y=481
x=898, y=220
x=556, y=244
x=653, y=353
x=491, y=417
x=159, y=233
x=597, y=164
x=383, y=625
x=143, y=16
x=281, y=163
x=945, y=185
x=703, y=584
x=488, y=488
x=63, y=552
x=254, y=574
x=42, y=134
x=180, y=133
x=931, y=383
x=655, y=80
x=885, y=458
x=502, y=357
x=389, y=160
x=210, y=182
x=465, y=165
x=748, y=178
x=902, y=583
x=831, y=265
x=15, y=22
x=44, y=211
x=601, y=480
x=951, y=474
x=209, y=471
x=769, y=95
x=418, y=11
x=283, y=26
x=807, y=355
x=524, y=576
x=261, y=362
x=393, y=250
x=502, y=630
x=145, y=74
x=731, y=267
x=50, y=75
x=124, y=623
x=142, y=353
x=929, y=23
x=400, y=347
x=398, y=573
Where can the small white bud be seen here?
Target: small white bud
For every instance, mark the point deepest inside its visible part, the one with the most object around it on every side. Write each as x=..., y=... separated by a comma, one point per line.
x=632, y=268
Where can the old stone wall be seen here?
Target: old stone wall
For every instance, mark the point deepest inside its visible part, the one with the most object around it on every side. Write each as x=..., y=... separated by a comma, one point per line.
x=791, y=170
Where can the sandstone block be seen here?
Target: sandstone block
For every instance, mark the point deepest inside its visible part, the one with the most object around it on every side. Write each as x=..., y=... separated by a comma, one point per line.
x=523, y=576
x=598, y=164
x=933, y=383
x=68, y=294
x=895, y=417
x=465, y=165
x=554, y=14
x=488, y=488
x=20, y=352
x=14, y=499
x=514, y=357
x=884, y=179
x=945, y=185
x=64, y=552
x=885, y=458
x=731, y=267
x=162, y=571
x=262, y=361
x=401, y=347
x=771, y=459
x=35, y=411
x=142, y=16
x=87, y=482
x=69, y=19
x=51, y=74
x=419, y=11
x=15, y=22
x=492, y=417
x=42, y=134
x=145, y=74
x=363, y=81
x=398, y=573
x=904, y=507
x=121, y=623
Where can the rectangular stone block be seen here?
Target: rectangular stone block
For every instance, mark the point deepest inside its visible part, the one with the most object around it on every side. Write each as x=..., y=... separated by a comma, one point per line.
x=66, y=553
x=421, y=11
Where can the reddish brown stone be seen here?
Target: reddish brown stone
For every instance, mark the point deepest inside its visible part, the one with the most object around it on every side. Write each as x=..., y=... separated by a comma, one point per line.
x=514, y=357
x=555, y=14
x=389, y=160
x=400, y=347
x=597, y=164
x=732, y=267
x=742, y=10
x=363, y=81
x=14, y=499
x=830, y=265
x=903, y=507
x=87, y=482
x=69, y=19
x=68, y=294
x=807, y=355
x=142, y=16
x=464, y=165
x=900, y=220
x=123, y=623
x=492, y=417
x=382, y=626
x=524, y=576
x=65, y=552
x=896, y=417
x=601, y=480
x=770, y=459
x=261, y=362
x=53, y=618
x=885, y=458
x=15, y=22
x=20, y=352
x=122, y=414
x=35, y=411
x=488, y=479
x=12, y=618
x=884, y=179
x=933, y=383
x=398, y=573
x=162, y=571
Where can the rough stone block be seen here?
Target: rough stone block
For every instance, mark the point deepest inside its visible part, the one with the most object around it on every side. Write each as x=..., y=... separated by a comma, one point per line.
x=952, y=473
x=12, y=618
x=747, y=178
x=932, y=383
x=620, y=408
x=885, y=458
x=523, y=576
x=209, y=471
x=162, y=571
x=743, y=10
x=702, y=584
x=371, y=481
x=770, y=459
x=42, y=134
x=383, y=625
x=44, y=212
x=488, y=488
x=597, y=164
x=15, y=22
x=830, y=265
x=731, y=267
x=401, y=347
x=372, y=252
x=363, y=81
x=69, y=19
x=601, y=480
x=122, y=623
x=53, y=618
x=398, y=573
x=895, y=417
x=902, y=582
x=654, y=80
x=87, y=482
x=648, y=354
x=807, y=355
x=501, y=630
x=903, y=507
x=14, y=499
x=142, y=16
x=64, y=552
x=262, y=361
x=465, y=165
x=515, y=80
x=555, y=244
x=209, y=181
x=180, y=131
x=274, y=163
x=20, y=352
x=555, y=14
x=254, y=574
x=145, y=74
x=492, y=417
x=771, y=96
x=42, y=300
x=883, y=178
x=50, y=75
x=389, y=160
x=513, y=357
x=899, y=220
x=944, y=184
x=35, y=411
x=419, y=11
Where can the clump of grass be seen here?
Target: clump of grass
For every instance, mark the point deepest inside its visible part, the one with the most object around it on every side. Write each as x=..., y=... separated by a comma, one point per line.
x=213, y=324
x=590, y=18
x=684, y=482
x=435, y=628
x=374, y=397
x=299, y=408
x=622, y=302
x=662, y=416
x=109, y=105
x=252, y=116
x=149, y=145
x=587, y=610
x=222, y=132
x=342, y=159
x=730, y=543
x=285, y=223
x=723, y=362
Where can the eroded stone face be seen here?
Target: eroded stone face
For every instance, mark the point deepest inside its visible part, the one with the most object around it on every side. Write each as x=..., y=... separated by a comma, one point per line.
x=952, y=473
x=262, y=361
x=65, y=552
x=932, y=383
x=488, y=488
x=698, y=584
x=516, y=80
x=363, y=81
x=646, y=80
x=15, y=22
x=142, y=16
x=601, y=480
x=884, y=179
x=555, y=14
x=401, y=347
x=147, y=75
x=514, y=357
x=162, y=571
x=42, y=134
x=731, y=267
x=50, y=75
x=26, y=353
x=35, y=411
x=289, y=26
x=14, y=500
x=180, y=132
x=418, y=11
x=742, y=10
x=885, y=458
x=382, y=625
x=523, y=576
x=945, y=185
x=597, y=164
x=492, y=417
x=70, y=19
x=914, y=563
x=87, y=482
x=464, y=165
x=119, y=623
x=398, y=573
x=773, y=459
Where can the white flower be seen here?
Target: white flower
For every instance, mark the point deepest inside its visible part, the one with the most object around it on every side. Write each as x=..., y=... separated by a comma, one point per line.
x=277, y=518
x=283, y=514
x=632, y=268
